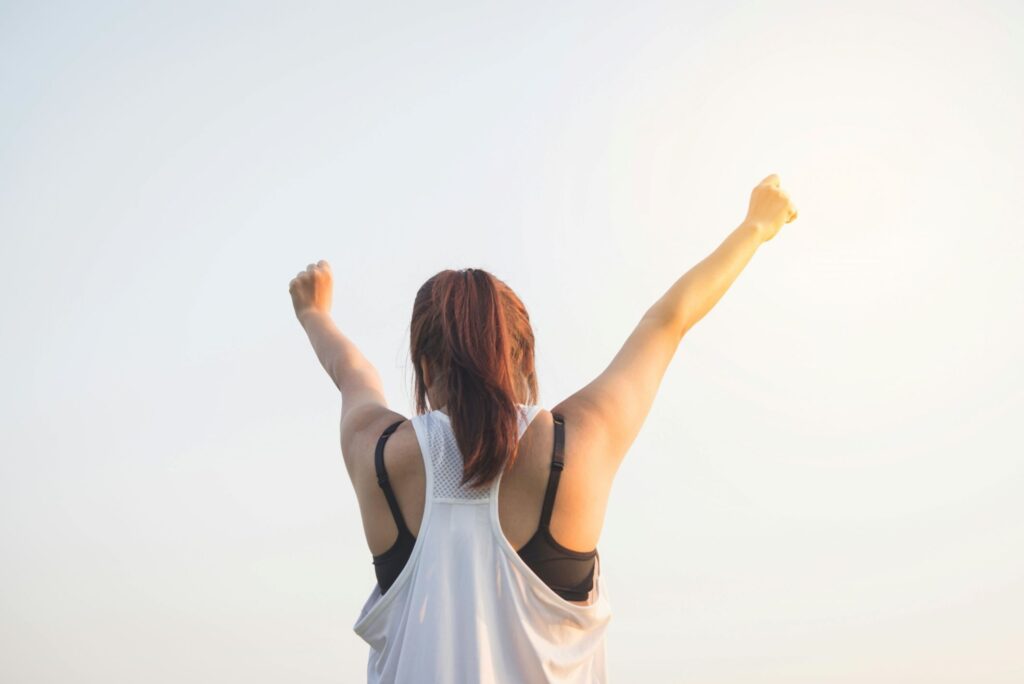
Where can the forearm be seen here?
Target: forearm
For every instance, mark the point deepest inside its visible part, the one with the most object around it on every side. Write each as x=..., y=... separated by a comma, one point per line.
x=337, y=353
x=700, y=288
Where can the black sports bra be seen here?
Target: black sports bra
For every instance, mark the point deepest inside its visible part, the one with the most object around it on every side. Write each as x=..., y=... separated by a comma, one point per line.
x=569, y=573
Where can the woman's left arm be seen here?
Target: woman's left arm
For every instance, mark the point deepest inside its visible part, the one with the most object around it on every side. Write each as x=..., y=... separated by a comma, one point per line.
x=353, y=374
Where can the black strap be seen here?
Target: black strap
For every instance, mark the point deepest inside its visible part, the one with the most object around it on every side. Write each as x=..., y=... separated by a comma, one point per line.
x=557, y=463
x=382, y=477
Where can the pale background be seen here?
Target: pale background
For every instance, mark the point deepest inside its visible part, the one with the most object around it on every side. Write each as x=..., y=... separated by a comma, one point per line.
x=828, y=486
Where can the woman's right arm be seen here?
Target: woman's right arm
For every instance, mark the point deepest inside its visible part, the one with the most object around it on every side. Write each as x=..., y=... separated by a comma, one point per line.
x=700, y=288
x=613, y=407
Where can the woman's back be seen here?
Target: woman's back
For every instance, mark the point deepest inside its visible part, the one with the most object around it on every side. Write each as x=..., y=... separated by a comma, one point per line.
x=465, y=606
x=579, y=506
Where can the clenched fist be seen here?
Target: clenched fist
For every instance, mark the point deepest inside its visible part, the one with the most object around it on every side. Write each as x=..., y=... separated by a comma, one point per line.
x=312, y=290
x=770, y=207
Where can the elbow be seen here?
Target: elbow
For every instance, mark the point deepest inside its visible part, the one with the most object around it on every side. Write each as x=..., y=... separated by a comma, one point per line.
x=677, y=322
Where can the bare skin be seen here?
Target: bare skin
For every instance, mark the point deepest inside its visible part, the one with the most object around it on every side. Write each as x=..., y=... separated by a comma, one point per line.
x=601, y=420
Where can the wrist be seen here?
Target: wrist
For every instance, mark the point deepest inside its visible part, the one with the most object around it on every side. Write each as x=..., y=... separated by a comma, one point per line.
x=755, y=229
x=311, y=315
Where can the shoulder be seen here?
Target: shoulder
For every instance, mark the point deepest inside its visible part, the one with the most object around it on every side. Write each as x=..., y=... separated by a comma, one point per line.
x=586, y=438
x=361, y=429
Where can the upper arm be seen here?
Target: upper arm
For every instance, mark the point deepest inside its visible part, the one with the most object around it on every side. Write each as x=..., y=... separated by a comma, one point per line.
x=612, y=408
x=364, y=415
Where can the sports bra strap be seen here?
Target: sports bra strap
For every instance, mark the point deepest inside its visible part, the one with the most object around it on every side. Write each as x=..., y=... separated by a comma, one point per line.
x=382, y=477
x=557, y=463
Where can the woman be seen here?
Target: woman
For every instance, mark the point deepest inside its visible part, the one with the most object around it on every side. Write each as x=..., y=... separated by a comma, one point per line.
x=483, y=514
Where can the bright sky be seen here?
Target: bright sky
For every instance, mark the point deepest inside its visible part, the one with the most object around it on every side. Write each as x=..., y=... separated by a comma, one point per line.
x=828, y=486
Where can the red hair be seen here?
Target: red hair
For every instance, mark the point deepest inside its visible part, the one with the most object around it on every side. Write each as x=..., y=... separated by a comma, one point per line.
x=475, y=336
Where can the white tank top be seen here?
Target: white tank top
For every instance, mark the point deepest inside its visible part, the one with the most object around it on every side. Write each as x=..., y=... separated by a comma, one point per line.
x=466, y=608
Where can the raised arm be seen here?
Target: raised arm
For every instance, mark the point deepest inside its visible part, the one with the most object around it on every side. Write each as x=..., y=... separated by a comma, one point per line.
x=348, y=368
x=613, y=407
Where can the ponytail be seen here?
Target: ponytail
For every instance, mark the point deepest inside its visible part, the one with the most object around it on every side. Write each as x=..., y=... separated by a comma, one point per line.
x=475, y=335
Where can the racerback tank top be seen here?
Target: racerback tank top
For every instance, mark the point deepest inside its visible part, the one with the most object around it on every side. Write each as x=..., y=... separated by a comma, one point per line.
x=568, y=572
x=466, y=606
